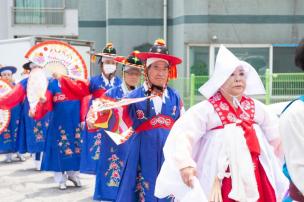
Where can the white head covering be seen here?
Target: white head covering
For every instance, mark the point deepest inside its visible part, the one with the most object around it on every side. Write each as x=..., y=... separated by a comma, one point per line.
x=7, y=71
x=104, y=58
x=225, y=65
x=152, y=60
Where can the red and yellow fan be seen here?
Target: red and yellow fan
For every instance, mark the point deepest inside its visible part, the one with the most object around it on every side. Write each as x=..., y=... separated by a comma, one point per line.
x=5, y=115
x=58, y=56
x=54, y=57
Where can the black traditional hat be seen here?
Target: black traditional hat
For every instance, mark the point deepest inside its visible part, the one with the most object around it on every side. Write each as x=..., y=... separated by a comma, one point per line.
x=108, y=52
x=131, y=61
x=9, y=68
x=160, y=50
x=27, y=65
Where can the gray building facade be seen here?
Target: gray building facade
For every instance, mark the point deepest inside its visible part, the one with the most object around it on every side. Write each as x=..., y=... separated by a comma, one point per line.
x=261, y=32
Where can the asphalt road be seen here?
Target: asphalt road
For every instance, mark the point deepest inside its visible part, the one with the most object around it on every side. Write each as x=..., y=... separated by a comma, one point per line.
x=20, y=181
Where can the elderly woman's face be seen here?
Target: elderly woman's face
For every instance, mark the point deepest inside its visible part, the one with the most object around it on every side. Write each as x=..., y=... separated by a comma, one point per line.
x=236, y=83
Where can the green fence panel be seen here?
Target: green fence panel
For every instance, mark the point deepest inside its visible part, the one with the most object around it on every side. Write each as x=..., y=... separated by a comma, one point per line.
x=280, y=87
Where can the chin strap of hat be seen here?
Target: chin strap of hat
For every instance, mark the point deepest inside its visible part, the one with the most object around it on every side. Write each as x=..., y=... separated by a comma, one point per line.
x=151, y=86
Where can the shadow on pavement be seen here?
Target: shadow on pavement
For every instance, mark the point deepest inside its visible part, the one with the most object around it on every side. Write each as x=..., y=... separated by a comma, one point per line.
x=46, y=192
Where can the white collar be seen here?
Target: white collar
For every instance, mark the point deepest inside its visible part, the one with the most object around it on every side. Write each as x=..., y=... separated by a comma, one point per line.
x=124, y=88
x=106, y=80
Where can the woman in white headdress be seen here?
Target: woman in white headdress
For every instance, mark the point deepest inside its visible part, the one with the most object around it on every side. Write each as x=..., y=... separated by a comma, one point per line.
x=224, y=147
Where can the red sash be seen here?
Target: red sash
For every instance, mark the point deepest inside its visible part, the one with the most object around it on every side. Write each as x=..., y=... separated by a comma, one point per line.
x=229, y=115
x=60, y=97
x=158, y=121
x=99, y=93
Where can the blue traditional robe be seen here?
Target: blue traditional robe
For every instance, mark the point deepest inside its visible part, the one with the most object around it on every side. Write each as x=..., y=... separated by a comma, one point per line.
x=91, y=138
x=63, y=146
x=9, y=136
x=145, y=156
x=31, y=134
x=112, y=157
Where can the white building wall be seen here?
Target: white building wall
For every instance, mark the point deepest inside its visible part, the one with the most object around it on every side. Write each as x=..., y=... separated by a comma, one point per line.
x=3, y=19
x=70, y=27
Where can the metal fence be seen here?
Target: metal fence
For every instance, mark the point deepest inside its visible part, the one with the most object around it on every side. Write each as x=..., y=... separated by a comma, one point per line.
x=286, y=86
x=36, y=16
x=279, y=87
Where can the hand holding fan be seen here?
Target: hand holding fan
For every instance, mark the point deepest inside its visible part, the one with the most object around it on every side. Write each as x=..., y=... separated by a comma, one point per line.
x=36, y=88
x=100, y=111
x=5, y=115
x=95, y=121
x=100, y=116
x=58, y=57
x=101, y=104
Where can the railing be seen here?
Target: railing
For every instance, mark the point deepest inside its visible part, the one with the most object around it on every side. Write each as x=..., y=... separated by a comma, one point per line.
x=286, y=86
x=38, y=16
x=279, y=87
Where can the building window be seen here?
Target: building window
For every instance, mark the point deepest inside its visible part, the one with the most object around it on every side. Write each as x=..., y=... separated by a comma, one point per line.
x=199, y=60
x=258, y=57
x=39, y=3
x=283, y=59
x=49, y=12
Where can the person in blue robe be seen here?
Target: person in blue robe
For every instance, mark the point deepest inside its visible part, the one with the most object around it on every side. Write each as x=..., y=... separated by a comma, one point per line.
x=63, y=145
x=9, y=136
x=151, y=121
x=111, y=158
x=31, y=135
x=86, y=92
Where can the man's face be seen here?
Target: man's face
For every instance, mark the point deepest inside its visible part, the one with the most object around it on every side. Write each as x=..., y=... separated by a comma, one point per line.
x=158, y=73
x=132, y=77
x=108, y=66
x=7, y=75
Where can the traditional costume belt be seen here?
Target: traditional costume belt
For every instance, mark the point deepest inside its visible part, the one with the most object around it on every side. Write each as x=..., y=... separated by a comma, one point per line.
x=158, y=121
x=59, y=97
x=220, y=127
x=294, y=193
x=98, y=93
x=249, y=134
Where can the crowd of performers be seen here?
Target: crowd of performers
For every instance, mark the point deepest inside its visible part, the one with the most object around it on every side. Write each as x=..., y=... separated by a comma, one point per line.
x=229, y=147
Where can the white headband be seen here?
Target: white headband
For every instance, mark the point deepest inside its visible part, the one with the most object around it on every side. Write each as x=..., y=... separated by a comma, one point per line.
x=127, y=67
x=152, y=60
x=6, y=71
x=104, y=58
